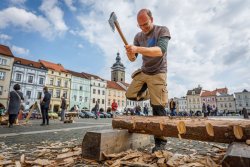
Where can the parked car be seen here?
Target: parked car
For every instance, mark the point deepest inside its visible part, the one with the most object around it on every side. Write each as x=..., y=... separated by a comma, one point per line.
x=88, y=114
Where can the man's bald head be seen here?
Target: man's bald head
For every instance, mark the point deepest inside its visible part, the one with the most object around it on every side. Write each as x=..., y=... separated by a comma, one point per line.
x=143, y=12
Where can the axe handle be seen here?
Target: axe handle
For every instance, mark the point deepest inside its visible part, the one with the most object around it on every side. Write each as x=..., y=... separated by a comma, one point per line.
x=121, y=34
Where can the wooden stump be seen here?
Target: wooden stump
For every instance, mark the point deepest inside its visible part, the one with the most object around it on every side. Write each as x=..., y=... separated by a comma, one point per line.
x=238, y=155
x=97, y=143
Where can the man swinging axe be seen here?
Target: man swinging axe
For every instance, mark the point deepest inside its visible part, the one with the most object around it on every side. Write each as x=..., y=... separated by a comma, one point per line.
x=150, y=82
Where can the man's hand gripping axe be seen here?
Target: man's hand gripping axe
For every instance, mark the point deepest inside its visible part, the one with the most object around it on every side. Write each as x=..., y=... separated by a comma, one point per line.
x=113, y=22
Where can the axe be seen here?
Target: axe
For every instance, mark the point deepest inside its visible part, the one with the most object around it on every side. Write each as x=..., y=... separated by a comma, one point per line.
x=113, y=22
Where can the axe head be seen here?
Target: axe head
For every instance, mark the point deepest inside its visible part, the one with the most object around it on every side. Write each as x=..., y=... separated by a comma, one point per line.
x=112, y=20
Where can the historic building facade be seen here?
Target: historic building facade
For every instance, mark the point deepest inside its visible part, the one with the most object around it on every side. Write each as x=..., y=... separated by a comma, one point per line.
x=31, y=76
x=58, y=82
x=80, y=91
x=194, y=99
x=117, y=93
x=242, y=100
x=6, y=64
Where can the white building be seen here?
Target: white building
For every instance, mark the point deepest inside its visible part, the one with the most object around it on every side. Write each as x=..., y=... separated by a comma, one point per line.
x=226, y=102
x=242, y=100
x=194, y=99
x=97, y=91
x=181, y=104
x=6, y=63
x=31, y=76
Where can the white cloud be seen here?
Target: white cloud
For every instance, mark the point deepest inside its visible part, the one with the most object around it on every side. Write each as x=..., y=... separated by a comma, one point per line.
x=5, y=37
x=19, y=51
x=54, y=14
x=70, y=5
x=25, y=21
x=210, y=41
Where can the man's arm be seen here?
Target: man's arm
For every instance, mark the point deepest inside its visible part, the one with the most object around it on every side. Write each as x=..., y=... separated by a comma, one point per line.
x=156, y=51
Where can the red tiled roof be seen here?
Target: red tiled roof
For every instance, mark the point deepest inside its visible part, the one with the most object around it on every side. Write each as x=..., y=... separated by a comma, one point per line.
x=77, y=74
x=221, y=90
x=53, y=66
x=5, y=50
x=114, y=85
x=18, y=60
x=208, y=93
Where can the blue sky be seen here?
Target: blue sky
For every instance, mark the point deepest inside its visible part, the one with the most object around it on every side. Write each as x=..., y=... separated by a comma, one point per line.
x=210, y=42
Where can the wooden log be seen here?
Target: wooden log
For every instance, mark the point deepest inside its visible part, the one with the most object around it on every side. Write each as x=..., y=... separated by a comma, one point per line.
x=97, y=144
x=238, y=154
x=203, y=129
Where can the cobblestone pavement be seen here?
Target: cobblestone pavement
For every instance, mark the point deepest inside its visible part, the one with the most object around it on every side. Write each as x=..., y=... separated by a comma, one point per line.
x=24, y=138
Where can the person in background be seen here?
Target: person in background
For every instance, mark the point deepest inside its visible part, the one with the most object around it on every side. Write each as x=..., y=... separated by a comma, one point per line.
x=114, y=107
x=96, y=110
x=63, y=107
x=45, y=103
x=15, y=99
x=172, y=107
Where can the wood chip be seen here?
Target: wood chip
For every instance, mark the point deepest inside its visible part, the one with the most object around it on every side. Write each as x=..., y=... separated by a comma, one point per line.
x=135, y=164
x=158, y=154
x=161, y=162
x=22, y=158
x=5, y=162
x=248, y=142
x=18, y=164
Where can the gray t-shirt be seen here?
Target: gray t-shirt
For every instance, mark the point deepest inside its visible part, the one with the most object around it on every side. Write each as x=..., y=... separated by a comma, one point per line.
x=153, y=65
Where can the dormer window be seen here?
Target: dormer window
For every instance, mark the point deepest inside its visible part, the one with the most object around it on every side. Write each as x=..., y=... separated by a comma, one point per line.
x=31, y=65
x=18, y=62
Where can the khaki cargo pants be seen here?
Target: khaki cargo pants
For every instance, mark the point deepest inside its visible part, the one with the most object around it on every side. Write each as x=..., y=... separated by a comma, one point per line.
x=156, y=92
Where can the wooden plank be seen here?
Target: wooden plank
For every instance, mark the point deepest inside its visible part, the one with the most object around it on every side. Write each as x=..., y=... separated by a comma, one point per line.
x=203, y=129
x=98, y=143
x=238, y=154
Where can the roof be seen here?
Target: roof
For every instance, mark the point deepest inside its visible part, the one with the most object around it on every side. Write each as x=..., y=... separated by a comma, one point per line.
x=114, y=85
x=5, y=50
x=125, y=84
x=53, y=66
x=77, y=74
x=30, y=63
x=197, y=91
x=208, y=93
x=221, y=90
x=91, y=75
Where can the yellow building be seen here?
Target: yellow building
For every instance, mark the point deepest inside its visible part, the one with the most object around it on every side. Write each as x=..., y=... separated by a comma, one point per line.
x=6, y=64
x=58, y=82
x=117, y=93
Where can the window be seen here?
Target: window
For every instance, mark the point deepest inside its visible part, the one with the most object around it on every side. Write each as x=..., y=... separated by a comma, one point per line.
x=50, y=91
x=246, y=104
x=86, y=99
x=28, y=94
x=230, y=105
x=2, y=75
x=66, y=84
x=109, y=92
x=102, y=101
x=122, y=103
x=225, y=105
x=52, y=72
x=41, y=80
x=221, y=105
x=30, y=78
x=93, y=100
x=80, y=98
x=99, y=91
x=94, y=91
x=3, y=61
x=58, y=93
x=118, y=102
x=109, y=102
x=1, y=90
x=58, y=82
x=193, y=92
x=80, y=88
x=98, y=101
x=103, y=92
x=99, y=84
x=74, y=97
x=39, y=95
x=18, y=77
x=65, y=94
x=51, y=81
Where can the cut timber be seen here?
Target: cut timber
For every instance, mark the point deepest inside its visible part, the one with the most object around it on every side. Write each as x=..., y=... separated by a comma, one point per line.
x=221, y=130
x=96, y=144
x=238, y=154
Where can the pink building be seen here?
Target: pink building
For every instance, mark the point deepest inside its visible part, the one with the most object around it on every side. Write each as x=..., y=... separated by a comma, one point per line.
x=209, y=97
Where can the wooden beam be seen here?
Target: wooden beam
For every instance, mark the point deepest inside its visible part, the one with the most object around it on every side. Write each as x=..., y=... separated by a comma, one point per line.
x=195, y=128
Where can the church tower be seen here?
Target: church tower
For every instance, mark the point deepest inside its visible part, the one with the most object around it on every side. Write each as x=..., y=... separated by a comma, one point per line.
x=118, y=70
